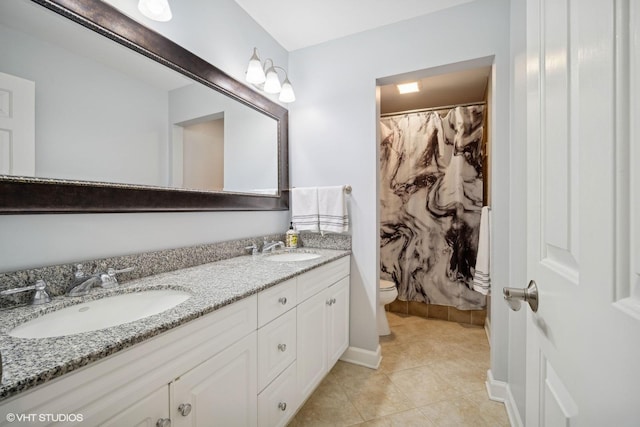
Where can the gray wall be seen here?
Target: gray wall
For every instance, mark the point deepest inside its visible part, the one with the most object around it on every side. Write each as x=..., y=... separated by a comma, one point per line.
x=334, y=122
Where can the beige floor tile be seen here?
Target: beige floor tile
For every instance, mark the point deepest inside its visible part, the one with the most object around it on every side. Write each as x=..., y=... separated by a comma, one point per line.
x=432, y=374
x=411, y=418
x=492, y=411
x=424, y=385
x=462, y=374
x=375, y=396
x=453, y=412
x=327, y=406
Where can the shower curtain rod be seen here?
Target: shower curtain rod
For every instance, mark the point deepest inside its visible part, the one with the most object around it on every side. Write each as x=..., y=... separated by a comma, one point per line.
x=424, y=110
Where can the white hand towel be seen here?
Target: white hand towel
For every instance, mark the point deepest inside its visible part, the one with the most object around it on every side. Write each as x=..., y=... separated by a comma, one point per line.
x=304, y=208
x=481, y=278
x=333, y=209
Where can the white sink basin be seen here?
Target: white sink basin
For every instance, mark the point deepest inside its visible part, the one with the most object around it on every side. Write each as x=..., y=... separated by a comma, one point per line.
x=292, y=256
x=100, y=314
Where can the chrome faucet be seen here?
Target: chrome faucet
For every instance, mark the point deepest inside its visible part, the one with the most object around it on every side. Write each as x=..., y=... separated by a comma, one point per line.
x=40, y=296
x=83, y=282
x=270, y=246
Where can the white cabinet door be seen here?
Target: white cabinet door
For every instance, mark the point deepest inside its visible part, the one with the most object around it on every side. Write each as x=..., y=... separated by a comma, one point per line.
x=312, y=343
x=222, y=391
x=276, y=347
x=338, y=320
x=279, y=402
x=143, y=413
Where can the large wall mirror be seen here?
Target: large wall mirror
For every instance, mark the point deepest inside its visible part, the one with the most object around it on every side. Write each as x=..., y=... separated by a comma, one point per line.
x=101, y=114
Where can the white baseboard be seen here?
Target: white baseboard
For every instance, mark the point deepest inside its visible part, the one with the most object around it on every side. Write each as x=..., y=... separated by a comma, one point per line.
x=500, y=391
x=362, y=357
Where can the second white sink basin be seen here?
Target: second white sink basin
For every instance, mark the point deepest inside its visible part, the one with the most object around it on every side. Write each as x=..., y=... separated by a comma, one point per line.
x=100, y=314
x=292, y=256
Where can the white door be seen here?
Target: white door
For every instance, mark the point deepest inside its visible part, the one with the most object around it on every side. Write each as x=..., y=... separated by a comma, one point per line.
x=17, y=126
x=583, y=344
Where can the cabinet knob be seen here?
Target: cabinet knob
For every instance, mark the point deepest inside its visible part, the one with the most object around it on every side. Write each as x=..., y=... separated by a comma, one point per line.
x=184, y=409
x=283, y=300
x=282, y=406
x=282, y=347
x=333, y=301
x=329, y=302
x=163, y=422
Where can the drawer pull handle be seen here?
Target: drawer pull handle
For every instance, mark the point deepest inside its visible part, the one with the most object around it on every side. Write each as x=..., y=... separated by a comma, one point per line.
x=282, y=347
x=184, y=409
x=163, y=422
x=282, y=406
x=283, y=300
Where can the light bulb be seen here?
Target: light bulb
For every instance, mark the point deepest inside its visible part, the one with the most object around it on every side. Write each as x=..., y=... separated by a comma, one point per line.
x=286, y=94
x=255, y=73
x=272, y=83
x=158, y=10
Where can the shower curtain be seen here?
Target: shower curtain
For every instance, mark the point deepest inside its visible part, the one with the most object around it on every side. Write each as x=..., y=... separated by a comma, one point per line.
x=431, y=197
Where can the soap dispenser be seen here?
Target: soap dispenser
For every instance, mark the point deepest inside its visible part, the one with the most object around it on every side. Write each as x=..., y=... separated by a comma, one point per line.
x=292, y=237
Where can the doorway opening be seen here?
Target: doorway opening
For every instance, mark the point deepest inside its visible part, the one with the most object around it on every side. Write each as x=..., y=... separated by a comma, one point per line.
x=434, y=179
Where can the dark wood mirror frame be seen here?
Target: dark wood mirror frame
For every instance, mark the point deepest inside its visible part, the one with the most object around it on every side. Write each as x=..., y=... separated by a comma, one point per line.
x=24, y=195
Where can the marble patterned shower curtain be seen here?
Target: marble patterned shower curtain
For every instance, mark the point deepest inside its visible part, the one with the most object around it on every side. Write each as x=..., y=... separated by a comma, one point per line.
x=431, y=197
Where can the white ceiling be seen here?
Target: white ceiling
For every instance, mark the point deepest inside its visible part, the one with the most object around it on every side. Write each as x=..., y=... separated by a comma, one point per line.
x=300, y=23
x=451, y=88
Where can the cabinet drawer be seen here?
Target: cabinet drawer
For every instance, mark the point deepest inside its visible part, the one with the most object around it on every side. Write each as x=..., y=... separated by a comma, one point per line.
x=276, y=347
x=314, y=281
x=278, y=402
x=275, y=301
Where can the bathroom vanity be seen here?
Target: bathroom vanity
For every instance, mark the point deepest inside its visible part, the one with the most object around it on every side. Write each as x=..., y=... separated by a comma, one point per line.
x=246, y=349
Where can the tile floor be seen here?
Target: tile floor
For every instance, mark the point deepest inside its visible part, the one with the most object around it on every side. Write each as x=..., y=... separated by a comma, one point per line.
x=432, y=374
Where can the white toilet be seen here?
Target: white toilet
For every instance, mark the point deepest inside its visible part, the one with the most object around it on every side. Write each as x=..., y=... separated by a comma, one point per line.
x=388, y=293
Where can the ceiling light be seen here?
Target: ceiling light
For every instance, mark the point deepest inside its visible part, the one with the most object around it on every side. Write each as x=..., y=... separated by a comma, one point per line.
x=158, y=10
x=267, y=79
x=408, y=87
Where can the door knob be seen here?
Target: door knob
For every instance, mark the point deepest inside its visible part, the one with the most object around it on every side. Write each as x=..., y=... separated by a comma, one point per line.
x=514, y=296
x=184, y=409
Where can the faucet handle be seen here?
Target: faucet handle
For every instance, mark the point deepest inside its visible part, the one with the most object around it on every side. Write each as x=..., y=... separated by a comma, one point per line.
x=40, y=296
x=79, y=273
x=109, y=279
x=113, y=272
x=253, y=248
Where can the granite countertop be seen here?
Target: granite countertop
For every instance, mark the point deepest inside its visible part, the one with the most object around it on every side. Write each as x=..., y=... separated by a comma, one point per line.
x=31, y=362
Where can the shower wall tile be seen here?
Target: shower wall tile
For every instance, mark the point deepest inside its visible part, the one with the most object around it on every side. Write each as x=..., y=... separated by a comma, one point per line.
x=418, y=309
x=398, y=306
x=478, y=317
x=459, y=316
x=438, y=312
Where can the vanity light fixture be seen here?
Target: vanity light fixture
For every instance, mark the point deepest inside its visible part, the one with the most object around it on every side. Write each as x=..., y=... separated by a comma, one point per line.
x=158, y=10
x=266, y=78
x=408, y=87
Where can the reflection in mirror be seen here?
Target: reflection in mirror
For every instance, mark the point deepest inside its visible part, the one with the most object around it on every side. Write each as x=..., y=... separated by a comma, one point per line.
x=86, y=108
